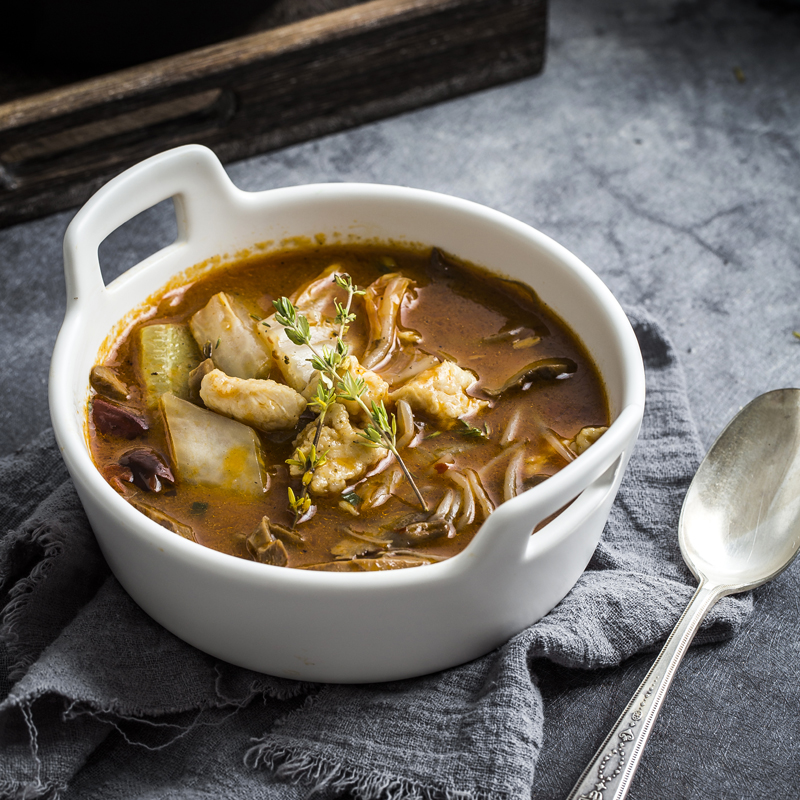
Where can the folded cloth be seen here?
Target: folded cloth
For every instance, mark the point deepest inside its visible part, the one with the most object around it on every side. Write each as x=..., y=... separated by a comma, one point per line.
x=100, y=701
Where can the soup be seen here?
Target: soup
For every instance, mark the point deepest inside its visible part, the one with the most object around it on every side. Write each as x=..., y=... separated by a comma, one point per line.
x=341, y=407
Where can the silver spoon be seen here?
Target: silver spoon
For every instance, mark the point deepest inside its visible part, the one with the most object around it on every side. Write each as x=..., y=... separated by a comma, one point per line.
x=739, y=528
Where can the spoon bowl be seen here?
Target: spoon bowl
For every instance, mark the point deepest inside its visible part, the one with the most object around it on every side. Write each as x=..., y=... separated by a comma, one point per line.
x=739, y=527
x=740, y=522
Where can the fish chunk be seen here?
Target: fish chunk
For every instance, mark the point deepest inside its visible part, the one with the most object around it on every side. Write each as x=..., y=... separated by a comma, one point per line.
x=377, y=389
x=236, y=346
x=262, y=404
x=347, y=458
x=441, y=392
x=293, y=359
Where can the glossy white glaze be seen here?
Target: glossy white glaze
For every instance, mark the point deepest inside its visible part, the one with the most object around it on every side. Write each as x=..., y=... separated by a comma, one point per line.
x=322, y=626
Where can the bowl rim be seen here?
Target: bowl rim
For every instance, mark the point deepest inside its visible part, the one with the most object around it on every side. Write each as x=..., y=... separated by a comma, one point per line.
x=88, y=478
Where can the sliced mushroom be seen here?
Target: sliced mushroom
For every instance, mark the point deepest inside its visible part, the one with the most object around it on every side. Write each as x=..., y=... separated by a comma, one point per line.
x=196, y=379
x=287, y=535
x=148, y=468
x=386, y=561
x=522, y=294
x=442, y=266
x=114, y=420
x=117, y=476
x=166, y=521
x=356, y=544
x=105, y=381
x=429, y=530
x=545, y=369
x=264, y=547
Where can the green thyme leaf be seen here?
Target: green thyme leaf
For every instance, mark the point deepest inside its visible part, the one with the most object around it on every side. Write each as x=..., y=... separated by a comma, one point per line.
x=352, y=498
x=472, y=431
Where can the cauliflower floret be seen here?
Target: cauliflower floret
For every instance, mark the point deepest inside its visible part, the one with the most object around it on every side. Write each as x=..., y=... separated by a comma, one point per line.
x=441, y=392
x=347, y=459
x=263, y=404
x=377, y=388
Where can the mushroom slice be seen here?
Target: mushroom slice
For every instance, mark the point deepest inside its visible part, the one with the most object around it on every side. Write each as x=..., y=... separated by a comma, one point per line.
x=148, y=468
x=545, y=369
x=164, y=520
x=263, y=546
x=385, y=561
x=426, y=531
x=357, y=544
x=105, y=381
x=196, y=379
x=442, y=266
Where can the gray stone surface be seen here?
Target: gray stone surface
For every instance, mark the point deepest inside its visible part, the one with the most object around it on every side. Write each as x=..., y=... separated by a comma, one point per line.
x=662, y=146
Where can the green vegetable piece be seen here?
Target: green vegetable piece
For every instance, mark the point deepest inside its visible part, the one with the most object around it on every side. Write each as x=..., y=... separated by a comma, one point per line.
x=167, y=354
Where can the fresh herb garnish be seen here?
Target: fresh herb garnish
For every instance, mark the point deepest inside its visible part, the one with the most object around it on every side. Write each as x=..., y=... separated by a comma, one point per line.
x=352, y=498
x=336, y=383
x=472, y=431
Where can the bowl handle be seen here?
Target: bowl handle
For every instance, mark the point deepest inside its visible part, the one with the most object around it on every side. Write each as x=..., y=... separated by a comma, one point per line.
x=505, y=536
x=191, y=174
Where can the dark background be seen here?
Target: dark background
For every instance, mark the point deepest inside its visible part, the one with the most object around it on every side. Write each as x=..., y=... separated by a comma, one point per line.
x=662, y=146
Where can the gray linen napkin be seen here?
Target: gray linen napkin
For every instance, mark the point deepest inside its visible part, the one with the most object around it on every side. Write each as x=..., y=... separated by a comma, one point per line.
x=100, y=701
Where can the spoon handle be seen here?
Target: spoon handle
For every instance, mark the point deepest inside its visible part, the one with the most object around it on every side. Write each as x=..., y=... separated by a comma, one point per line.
x=609, y=774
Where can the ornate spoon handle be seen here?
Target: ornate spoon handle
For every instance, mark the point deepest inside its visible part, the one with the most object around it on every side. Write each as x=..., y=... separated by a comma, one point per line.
x=609, y=775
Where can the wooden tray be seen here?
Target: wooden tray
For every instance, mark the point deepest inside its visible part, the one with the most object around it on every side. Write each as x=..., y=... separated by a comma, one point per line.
x=261, y=92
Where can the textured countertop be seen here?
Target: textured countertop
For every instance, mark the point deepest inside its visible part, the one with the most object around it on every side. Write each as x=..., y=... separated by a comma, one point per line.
x=662, y=146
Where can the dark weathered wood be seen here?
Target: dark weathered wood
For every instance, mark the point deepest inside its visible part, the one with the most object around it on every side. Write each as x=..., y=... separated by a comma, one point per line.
x=261, y=92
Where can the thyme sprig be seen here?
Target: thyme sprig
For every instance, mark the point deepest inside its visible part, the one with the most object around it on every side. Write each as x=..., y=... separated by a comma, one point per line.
x=308, y=462
x=336, y=383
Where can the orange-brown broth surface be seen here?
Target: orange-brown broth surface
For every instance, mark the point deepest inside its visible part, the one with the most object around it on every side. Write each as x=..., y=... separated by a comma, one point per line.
x=453, y=315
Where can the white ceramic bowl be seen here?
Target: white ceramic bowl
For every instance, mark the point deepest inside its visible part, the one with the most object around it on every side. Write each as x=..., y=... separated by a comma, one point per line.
x=320, y=626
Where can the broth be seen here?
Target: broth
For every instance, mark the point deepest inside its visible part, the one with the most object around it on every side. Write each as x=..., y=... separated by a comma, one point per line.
x=459, y=334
